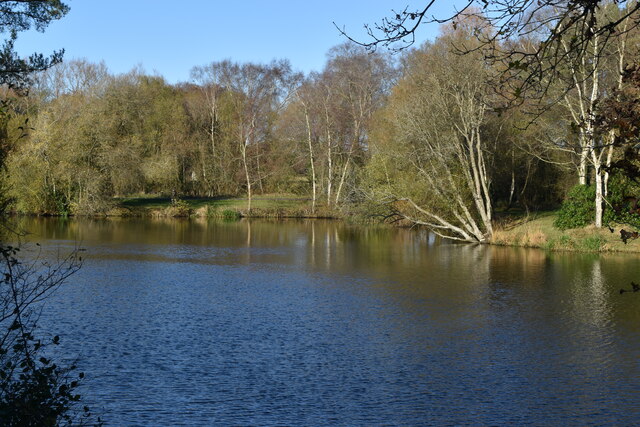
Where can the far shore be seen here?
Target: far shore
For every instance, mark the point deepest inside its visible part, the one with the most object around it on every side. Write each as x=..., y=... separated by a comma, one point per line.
x=535, y=230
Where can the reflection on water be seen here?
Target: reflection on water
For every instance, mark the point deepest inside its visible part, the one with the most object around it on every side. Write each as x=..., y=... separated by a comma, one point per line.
x=319, y=322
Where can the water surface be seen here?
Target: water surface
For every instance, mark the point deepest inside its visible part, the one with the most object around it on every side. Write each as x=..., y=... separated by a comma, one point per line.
x=181, y=322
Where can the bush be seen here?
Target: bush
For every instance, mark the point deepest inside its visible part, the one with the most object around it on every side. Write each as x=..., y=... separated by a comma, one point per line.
x=178, y=209
x=621, y=207
x=210, y=211
x=230, y=215
x=578, y=210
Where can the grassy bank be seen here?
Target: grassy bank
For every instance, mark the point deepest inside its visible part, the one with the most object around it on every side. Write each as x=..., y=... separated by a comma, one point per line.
x=534, y=231
x=538, y=231
x=267, y=206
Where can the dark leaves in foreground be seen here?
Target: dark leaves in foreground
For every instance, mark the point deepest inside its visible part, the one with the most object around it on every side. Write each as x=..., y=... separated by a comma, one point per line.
x=34, y=390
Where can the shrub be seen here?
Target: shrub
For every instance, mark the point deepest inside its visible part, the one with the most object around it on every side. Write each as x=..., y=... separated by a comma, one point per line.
x=178, y=208
x=578, y=210
x=620, y=207
x=210, y=211
x=230, y=215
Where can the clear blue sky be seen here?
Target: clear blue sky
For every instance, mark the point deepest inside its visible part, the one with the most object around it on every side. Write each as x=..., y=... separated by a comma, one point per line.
x=170, y=37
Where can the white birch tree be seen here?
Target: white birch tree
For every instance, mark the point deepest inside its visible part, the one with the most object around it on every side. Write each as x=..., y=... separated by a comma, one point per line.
x=435, y=161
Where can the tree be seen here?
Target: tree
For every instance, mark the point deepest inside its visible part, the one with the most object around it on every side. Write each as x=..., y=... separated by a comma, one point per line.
x=144, y=140
x=299, y=125
x=257, y=93
x=359, y=83
x=56, y=169
x=432, y=169
x=211, y=114
x=541, y=47
x=17, y=16
x=210, y=155
x=548, y=23
x=323, y=118
x=584, y=79
x=77, y=76
x=16, y=72
x=620, y=118
x=33, y=389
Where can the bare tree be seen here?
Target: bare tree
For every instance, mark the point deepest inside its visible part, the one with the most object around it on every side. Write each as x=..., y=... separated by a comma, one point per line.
x=304, y=97
x=207, y=78
x=435, y=161
x=541, y=46
x=356, y=85
x=257, y=92
x=77, y=76
x=550, y=24
x=582, y=81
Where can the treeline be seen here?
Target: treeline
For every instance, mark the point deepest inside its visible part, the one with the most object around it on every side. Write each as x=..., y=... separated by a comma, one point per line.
x=425, y=136
x=236, y=129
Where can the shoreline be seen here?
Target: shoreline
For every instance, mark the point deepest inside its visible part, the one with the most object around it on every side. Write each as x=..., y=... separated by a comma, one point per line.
x=536, y=231
x=539, y=232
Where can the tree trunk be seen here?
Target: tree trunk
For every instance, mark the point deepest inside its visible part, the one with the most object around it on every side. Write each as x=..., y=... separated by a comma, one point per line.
x=582, y=167
x=342, y=178
x=599, y=200
x=329, y=156
x=248, y=179
x=245, y=164
x=354, y=143
x=311, y=161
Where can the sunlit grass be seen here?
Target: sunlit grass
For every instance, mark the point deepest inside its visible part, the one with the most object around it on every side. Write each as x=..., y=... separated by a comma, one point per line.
x=538, y=231
x=261, y=205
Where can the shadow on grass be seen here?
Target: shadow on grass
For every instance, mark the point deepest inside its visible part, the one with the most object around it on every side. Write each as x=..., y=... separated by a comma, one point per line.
x=263, y=201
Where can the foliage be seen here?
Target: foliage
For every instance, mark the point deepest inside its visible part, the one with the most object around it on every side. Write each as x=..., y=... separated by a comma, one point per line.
x=34, y=391
x=620, y=116
x=577, y=210
x=433, y=161
x=533, y=38
x=17, y=16
x=230, y=215
x=622, y=201
x=178, y=208
x=356, y=133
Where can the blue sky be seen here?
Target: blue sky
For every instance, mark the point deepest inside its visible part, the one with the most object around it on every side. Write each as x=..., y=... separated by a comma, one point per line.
x=170, y=37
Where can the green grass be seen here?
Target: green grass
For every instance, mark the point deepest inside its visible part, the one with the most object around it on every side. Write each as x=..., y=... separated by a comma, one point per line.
x=260, y=202
x=269, y=205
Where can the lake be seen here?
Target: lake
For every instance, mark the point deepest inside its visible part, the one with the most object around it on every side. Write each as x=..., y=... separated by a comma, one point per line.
x=187, y=322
